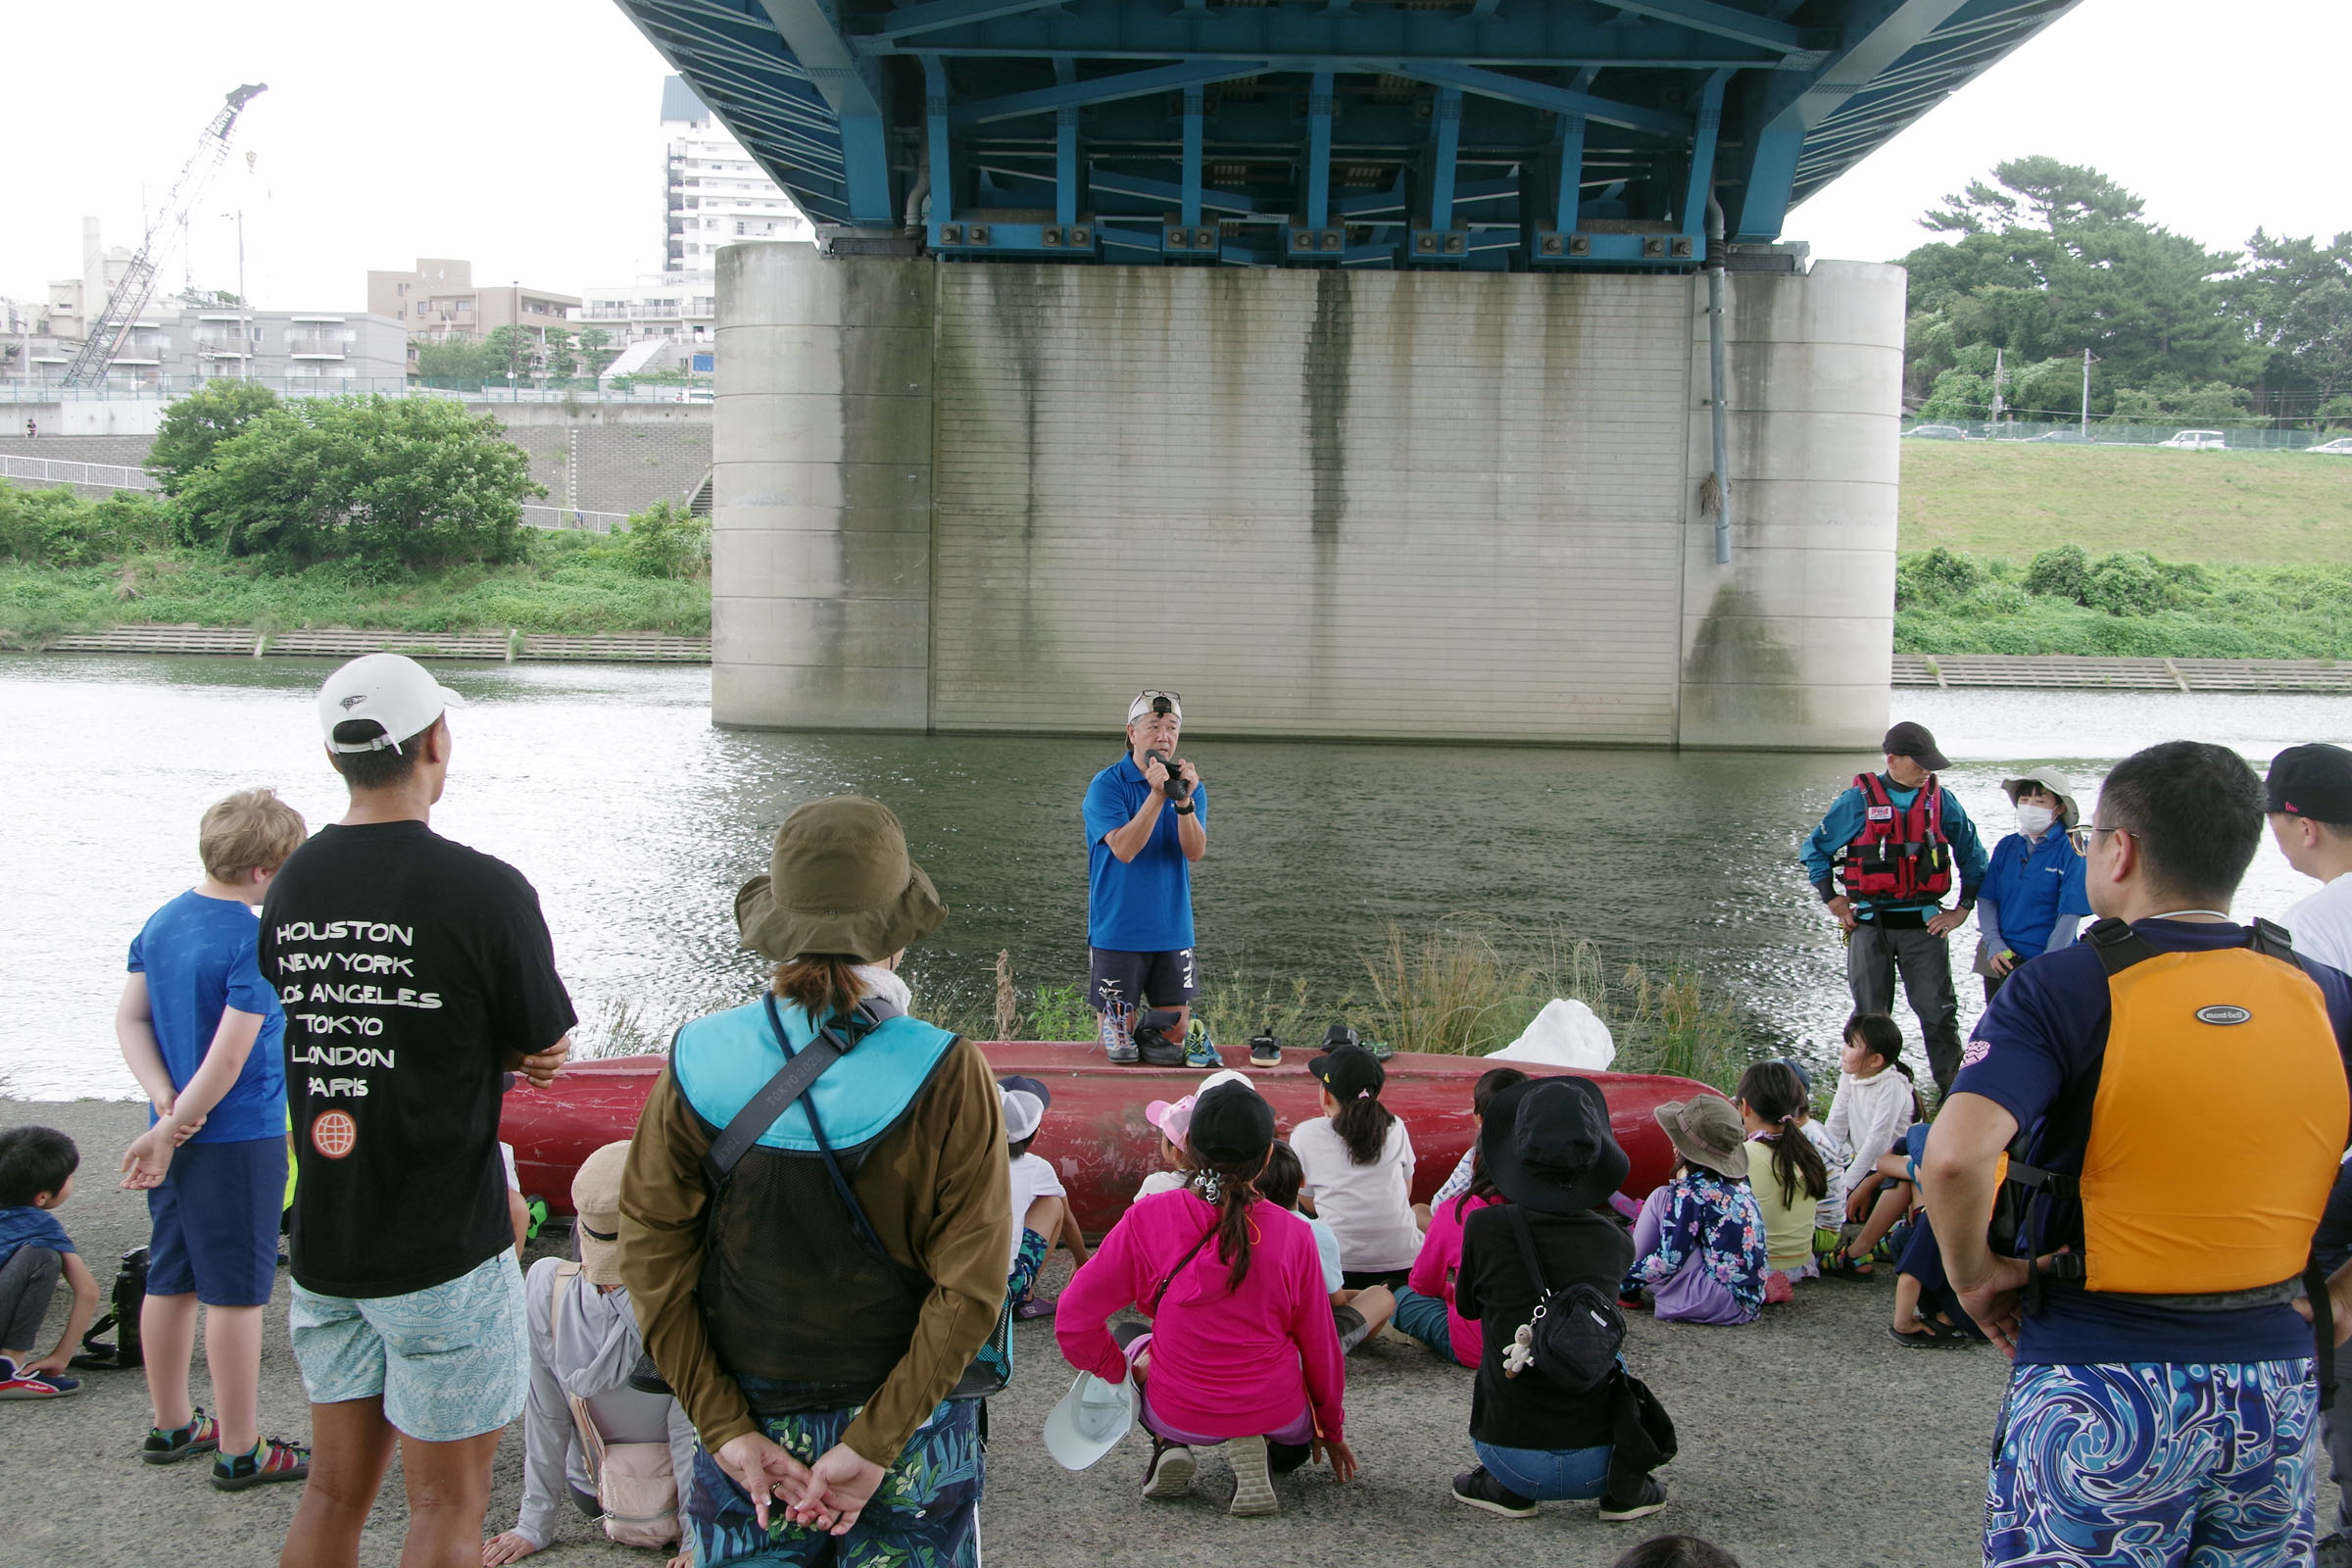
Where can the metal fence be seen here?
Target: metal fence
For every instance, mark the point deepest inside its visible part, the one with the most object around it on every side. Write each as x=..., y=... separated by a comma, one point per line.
x=56, y=470
x=2106, y=434
x=164, y=388
x=572, y=518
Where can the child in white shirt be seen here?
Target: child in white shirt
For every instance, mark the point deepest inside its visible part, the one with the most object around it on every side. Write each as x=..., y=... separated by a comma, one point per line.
x=1041, y=1205
x=1358, y=1160
x=1876, y=1105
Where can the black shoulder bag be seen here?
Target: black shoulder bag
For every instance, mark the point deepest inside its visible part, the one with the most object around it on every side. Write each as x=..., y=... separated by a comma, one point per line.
x=1574, y=1337
x=991, y=1369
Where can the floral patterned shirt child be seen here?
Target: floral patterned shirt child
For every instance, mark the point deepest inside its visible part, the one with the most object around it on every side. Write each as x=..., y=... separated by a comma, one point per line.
x=1716, y=1219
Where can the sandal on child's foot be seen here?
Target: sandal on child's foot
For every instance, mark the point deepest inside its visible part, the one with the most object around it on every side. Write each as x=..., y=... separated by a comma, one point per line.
x=1927, y=1336
x=199, y=1436
x=270, y=1460
x=1844, y=1266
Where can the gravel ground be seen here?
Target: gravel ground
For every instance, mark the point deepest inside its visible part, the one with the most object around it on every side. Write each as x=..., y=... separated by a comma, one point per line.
x=1808, y=1439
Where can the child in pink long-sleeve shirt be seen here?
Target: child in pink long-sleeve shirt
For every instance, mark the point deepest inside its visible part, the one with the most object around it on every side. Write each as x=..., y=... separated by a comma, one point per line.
x=1425, y=1308
x=1241, y=1350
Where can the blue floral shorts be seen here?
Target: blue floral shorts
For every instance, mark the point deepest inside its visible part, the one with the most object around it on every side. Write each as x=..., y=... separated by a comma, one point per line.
x=925, y=1514
x=450, y=1361
x=2148, y=1463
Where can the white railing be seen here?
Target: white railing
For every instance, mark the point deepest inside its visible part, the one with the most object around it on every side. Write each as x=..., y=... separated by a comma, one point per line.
x=572, y=517
x=58, y=471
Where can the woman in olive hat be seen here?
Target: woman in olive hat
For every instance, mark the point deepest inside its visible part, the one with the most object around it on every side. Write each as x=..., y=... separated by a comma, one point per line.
x=789, y=1320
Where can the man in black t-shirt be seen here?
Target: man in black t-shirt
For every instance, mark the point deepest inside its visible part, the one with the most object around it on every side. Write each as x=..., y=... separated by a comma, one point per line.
x=414, y=972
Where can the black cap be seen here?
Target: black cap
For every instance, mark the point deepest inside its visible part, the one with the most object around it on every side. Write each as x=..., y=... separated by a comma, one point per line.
x=1348, y=1071
x=1913, y=740
x=1231, y=1124
x=1546, y=1145
x=1014, y=1080
x=2314, y=781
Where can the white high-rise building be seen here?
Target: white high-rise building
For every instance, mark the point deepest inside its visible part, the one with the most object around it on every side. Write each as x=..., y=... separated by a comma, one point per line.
x=715, y=195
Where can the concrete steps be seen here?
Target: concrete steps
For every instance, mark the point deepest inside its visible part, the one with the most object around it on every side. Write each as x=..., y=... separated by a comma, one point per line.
x=2067, y=672
x=345, y=643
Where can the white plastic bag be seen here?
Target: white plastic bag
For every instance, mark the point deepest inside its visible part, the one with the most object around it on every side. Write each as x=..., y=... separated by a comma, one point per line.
x=1565, y=1034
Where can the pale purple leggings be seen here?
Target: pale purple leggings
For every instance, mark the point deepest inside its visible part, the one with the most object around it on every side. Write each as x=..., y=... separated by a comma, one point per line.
x=1298, y=1433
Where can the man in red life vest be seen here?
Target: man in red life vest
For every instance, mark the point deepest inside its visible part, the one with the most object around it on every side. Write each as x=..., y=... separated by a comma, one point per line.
x=1882, y=860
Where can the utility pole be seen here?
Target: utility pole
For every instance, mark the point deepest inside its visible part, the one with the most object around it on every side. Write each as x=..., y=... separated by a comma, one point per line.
x=2086, y=394
x=2000, y=378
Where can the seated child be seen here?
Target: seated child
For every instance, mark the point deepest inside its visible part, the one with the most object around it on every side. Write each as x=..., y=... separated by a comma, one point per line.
x=1425, y=1308
x=1699, y=1242
x=36, y=1176
x=1356, y=1314
x=1493, y=1081
x=1546, y=1145
x=202, y=1032
x=1876, y=1104
x=1830, y=1213
x=1041, y=1204
x=1241, y=1350
x=1169, y=1118
x=1677, y=1551
x=1358, y=1160
x=1927, y=1314
x=1789, y=1189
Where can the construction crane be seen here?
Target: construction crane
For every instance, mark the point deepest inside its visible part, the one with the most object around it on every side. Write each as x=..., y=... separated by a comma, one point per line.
x=102, y=339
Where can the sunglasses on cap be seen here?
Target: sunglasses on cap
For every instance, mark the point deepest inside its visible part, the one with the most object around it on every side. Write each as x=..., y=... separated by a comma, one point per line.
x=1155, y=702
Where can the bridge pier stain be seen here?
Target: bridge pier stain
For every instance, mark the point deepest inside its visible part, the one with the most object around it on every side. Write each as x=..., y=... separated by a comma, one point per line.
x=1324, y=369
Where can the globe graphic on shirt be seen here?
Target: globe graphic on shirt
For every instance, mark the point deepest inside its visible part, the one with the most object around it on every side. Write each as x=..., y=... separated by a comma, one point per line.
x=333, y=1134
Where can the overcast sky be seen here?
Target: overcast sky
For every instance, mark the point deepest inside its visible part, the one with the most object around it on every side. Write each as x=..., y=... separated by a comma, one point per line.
x=522, y=134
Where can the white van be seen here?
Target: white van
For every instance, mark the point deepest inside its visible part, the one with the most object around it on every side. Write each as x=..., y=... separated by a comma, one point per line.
x=2197, y=441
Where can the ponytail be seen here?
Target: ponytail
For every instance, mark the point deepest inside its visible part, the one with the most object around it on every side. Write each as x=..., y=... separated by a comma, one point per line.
x=1775, y=1093
x=1481, y=1188
x=1883, y=1037
x=820, y=983
x=1919, y=1107
x=1230, y=1190
x=1362, y=1124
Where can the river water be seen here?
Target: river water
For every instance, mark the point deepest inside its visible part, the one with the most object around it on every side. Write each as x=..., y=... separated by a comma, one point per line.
x=636, y=820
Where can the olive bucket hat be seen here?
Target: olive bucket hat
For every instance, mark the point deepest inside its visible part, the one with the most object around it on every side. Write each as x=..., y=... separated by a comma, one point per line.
x=839, y=881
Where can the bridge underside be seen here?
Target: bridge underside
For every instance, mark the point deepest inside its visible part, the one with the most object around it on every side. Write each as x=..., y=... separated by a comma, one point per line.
x=1462, y=135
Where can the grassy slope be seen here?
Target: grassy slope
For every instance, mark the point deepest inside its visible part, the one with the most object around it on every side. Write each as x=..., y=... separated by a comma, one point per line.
x=571, y=592
x=2218, y=508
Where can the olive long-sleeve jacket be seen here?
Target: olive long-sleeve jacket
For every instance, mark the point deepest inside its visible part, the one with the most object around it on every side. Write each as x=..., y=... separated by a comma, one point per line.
x=938, y=1191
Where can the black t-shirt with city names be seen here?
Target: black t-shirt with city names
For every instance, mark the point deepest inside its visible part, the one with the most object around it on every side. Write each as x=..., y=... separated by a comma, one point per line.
x=411, y=969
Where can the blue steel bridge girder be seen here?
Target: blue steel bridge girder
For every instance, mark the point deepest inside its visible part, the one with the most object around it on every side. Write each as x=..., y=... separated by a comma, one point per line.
x=1501, y=132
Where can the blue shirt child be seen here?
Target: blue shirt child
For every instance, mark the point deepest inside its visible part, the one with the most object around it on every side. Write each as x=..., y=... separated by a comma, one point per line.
x=198, y=955
x=27, y=1226
x=1144, y=904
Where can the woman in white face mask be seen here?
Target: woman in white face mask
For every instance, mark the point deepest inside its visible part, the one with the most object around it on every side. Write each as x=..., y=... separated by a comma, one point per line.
x=2032, y=896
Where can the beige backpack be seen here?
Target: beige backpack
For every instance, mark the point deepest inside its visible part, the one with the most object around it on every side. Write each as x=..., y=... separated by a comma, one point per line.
x=633, y=1481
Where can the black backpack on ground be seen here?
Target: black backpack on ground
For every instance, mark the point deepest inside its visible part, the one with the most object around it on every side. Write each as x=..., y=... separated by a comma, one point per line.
x=122, y=1315
x=1574, y=1337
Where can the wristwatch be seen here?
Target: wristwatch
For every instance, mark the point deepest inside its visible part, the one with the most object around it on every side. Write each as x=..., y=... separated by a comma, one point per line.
x=1186, y=810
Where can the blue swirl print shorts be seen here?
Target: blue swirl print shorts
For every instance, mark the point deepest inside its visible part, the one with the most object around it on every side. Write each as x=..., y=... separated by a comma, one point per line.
x=925, y=1513
x=451, y=1361
x=2148, y=1463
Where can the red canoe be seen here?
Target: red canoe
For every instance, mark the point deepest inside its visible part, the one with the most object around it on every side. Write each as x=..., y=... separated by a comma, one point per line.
x=1096, y=1134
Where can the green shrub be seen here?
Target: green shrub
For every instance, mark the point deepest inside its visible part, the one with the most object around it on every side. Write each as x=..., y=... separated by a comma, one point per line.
x=2060, y=574
x=57, y=528
x=195, y=426
x=666, y=540
x=1935, y=578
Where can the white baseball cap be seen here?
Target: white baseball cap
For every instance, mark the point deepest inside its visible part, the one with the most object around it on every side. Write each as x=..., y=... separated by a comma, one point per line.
x=393, y=690
x=1150, y=698
x=1090, y=1420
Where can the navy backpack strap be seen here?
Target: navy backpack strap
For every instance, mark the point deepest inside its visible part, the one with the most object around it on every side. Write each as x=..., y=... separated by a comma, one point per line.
x=2118, y=945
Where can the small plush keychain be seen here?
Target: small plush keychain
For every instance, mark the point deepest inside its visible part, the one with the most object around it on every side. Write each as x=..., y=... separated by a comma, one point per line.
x=1520, y=1353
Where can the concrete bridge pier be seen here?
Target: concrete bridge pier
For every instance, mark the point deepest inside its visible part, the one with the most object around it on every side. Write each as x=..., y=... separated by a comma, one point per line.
x=1376, y=504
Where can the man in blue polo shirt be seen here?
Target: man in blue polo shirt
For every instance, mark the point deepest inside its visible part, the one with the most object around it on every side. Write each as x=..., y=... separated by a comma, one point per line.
x=2189, y=1097
x=1147, y=821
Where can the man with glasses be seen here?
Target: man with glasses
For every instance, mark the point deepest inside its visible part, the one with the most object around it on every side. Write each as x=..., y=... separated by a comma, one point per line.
x=1147, y=821
x=2180, y=1082
x=1883, y=858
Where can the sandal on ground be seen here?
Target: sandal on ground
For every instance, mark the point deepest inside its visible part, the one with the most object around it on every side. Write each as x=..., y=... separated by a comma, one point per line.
x=1842, y=1266
x=1927, y=1336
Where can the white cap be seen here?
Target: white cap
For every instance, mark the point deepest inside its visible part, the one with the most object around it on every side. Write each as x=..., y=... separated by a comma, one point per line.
x=393, y=690
x=1090, y=1420
x=1227, y=1077
x=1023, y=1111
x=1144, y=701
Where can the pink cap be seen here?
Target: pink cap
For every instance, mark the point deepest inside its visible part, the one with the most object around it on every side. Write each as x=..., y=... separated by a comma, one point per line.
x=1173, y=1118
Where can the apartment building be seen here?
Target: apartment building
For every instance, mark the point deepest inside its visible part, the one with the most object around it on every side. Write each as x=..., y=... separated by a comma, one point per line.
x=174, y=343
x=714, y=195
x=438, y=300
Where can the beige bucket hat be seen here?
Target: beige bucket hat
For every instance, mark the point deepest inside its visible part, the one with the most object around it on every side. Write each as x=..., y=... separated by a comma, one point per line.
x=839, y=881
x=2050, y=778
x=596, y=1200
x=1706, y=1131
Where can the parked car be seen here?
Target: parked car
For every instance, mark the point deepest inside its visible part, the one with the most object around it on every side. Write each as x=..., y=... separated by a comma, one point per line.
x=2342, y=447
x=2073, y=438
x=1934, y=432
x=2197, y=441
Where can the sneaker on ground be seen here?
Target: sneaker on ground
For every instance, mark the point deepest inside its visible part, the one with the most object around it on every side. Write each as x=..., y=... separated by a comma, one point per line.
x=270, y=1460
x=1169, y=1473
x=25, y=1384
x=1481, y=1490
x=1118, y=1042
x=1652, y=1498
x=1198, y=1050
x=1253, y=1479
x=202, y=1435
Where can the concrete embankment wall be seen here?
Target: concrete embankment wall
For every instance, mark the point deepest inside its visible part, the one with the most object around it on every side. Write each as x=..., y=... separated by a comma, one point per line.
x=1412, y=506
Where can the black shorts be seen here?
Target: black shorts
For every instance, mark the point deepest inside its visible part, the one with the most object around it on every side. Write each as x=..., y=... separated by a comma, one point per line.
x=1142, y=979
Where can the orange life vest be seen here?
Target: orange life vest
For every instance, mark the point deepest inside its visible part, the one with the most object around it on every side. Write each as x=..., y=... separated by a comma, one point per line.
x=2220, y=1117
